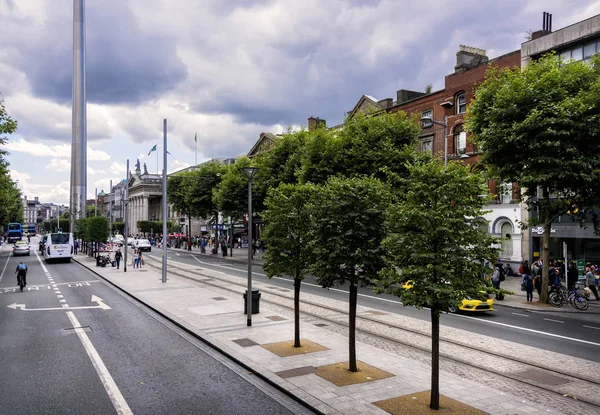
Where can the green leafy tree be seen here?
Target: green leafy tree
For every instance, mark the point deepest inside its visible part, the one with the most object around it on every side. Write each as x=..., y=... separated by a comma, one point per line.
x=178, y=191
x=436, y=242
x=540, y=127
x=231, y=196
x=288, y=236
x=82, y=229
x=119, y=227
x=11, y=209
x=368, y=145
x=349, y=226
x=278, y=165
x=203, y=183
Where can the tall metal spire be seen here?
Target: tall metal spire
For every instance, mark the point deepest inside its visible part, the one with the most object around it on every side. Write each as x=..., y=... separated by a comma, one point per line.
x=78, y=193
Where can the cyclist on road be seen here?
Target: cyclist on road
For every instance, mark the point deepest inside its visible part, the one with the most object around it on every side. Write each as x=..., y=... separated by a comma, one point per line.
x=21, y=272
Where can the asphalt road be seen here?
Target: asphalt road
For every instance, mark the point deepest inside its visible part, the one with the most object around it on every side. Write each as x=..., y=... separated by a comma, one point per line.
x=557, y=332
x=107, y=354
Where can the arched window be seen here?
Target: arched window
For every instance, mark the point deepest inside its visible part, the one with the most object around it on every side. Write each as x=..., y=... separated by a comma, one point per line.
x=460, y=140
x=507, y=243
x=461, y=103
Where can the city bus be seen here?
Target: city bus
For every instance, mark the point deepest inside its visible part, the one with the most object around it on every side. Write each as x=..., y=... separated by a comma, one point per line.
x=31, y=230
x=14, y=232
x=59, y=246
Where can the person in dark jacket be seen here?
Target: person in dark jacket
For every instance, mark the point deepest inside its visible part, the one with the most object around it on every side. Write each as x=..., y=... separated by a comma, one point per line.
x=572, y=276
x=118, y=256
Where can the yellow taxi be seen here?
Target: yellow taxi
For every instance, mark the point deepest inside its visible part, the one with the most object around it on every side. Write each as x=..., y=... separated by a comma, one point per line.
x=469, y=304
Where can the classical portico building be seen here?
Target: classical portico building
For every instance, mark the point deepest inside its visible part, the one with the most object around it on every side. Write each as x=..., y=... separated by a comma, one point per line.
x=145, y=197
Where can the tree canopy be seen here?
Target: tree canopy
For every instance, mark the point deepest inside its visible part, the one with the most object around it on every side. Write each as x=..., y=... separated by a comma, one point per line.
x=347, y=230
x=288, y=236
x=437, y=245
x=540, y=127
x=11, y=209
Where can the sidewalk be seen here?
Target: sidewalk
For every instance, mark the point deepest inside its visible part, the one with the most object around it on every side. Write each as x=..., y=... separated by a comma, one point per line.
x=519, y=300
x=215, y=315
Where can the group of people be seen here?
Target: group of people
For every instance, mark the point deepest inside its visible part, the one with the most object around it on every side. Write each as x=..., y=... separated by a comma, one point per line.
x=532, y=277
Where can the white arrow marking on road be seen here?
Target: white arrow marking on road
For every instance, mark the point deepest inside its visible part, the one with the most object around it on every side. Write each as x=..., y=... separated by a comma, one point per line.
x=94, y=300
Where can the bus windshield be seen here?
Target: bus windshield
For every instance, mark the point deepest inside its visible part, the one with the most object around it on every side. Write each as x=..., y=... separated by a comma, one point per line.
x=59, y=238
x=14, y=226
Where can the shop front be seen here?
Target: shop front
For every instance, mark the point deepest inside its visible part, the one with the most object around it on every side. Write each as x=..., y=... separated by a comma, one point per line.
x=582, y=245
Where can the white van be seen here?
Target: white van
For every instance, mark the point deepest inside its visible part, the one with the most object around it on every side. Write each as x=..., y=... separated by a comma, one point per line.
x=58, y=245
x=142, y=245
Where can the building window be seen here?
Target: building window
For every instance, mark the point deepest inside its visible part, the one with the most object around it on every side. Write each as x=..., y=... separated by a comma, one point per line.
x=427, y=114
x=461, y=103
x=427, y=145
x=460, y=140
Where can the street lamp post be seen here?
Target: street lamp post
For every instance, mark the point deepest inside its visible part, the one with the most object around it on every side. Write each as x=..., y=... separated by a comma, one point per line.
x=125, y=203
x=250, y=172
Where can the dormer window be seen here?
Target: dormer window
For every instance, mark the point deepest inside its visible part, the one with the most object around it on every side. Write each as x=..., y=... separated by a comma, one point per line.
x=461, y=103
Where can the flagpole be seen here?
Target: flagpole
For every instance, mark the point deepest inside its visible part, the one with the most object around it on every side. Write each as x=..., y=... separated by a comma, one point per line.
x=157, y=160
x=196, y=140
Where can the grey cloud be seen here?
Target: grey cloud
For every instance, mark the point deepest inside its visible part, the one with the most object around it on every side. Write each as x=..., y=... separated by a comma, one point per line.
x=124, y=64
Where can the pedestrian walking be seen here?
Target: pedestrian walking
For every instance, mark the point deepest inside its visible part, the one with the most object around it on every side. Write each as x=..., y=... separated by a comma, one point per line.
x=75, y=246
x=140, y=258
x=527, y=283
x=118, y=256
x=590, y=282
x=496, y=279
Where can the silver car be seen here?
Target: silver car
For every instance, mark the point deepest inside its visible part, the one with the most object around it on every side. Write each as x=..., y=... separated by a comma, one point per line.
x=21, y=248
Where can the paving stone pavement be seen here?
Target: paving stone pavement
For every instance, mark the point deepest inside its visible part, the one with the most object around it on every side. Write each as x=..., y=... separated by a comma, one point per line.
x=216, y=315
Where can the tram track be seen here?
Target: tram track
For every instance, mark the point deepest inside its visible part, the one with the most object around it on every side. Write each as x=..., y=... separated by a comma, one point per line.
x=565, y=383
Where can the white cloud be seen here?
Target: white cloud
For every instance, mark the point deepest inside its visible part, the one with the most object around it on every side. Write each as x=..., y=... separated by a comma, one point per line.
x=44, y=150
x=59, y=165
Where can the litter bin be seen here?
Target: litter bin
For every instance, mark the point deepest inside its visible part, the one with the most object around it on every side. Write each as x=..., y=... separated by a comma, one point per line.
x=255, y=302
x=98, y=261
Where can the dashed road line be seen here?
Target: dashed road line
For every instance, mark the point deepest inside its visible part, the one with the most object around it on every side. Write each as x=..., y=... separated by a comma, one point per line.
x=591, y=327
x=522, y=315
x=554, y=321
x=111, y=388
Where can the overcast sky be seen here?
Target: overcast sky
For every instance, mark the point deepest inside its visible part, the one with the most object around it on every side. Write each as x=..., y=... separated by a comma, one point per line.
x=227, y=70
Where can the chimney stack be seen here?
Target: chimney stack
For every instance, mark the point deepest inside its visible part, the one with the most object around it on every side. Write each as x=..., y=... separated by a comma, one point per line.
x=468, y=58
x=314, y=123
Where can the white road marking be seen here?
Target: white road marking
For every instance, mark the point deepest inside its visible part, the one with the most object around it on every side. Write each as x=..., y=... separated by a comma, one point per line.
x=591, y=327
x=555, y=321
x=108, y=382
x=60, y=296
x=110, y=386
x=5, y=265
x=95, y=299
x=531, y=330
x=519, y=314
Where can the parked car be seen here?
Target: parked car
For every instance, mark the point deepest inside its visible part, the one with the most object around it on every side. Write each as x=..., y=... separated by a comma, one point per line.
x=21, y=248
x=143, y=245
x=42, y=243
x=130, y=242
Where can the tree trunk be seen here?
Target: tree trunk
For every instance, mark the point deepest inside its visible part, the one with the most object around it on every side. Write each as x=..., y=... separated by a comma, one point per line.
x=545, y=259
x=434, y=402
x=352, y=324
x=297, y=282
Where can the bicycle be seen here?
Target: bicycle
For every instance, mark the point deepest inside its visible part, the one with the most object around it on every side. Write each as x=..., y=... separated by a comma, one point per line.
x=561, y=296
x=21, y=278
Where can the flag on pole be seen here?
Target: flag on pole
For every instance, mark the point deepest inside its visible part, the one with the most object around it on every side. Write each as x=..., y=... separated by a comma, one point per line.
x=196, y=137
x=153, y=149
